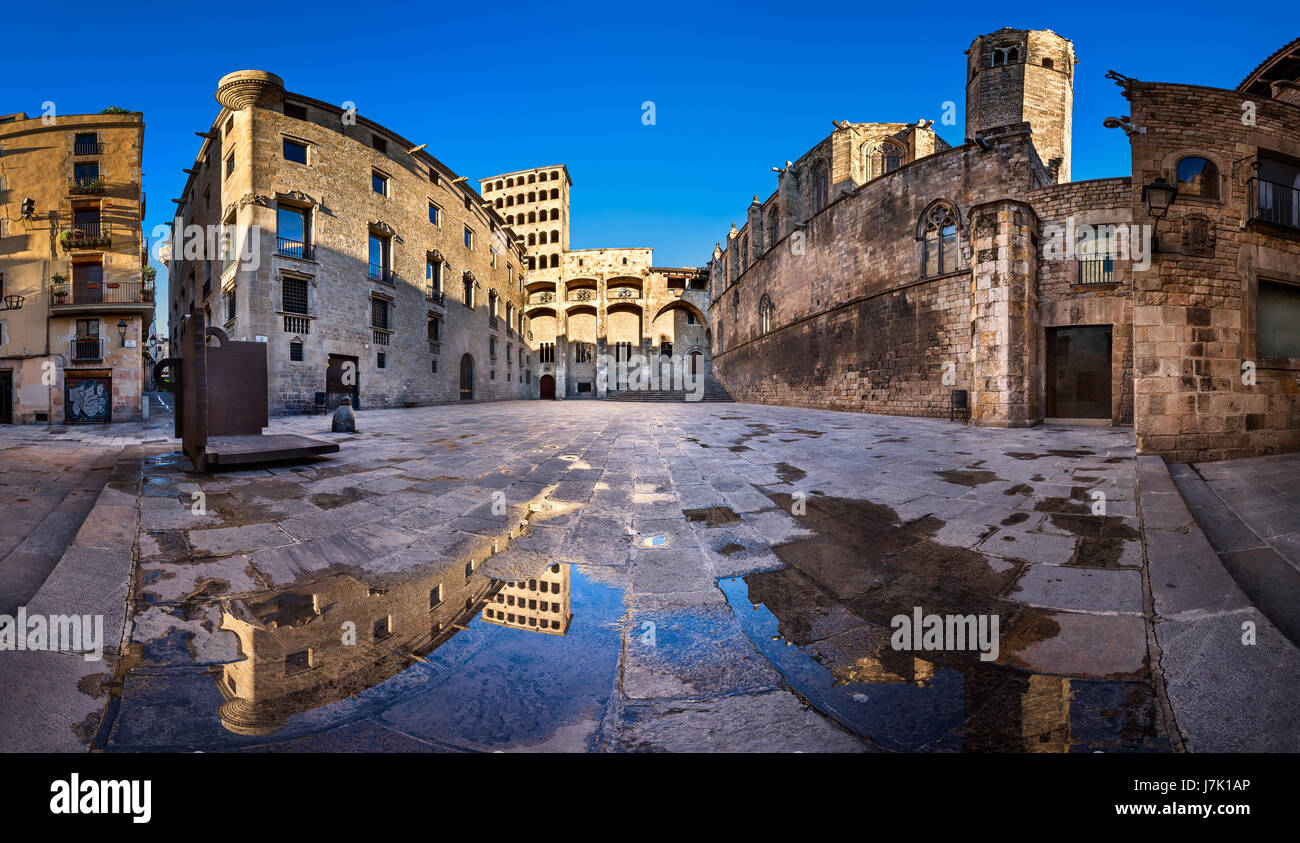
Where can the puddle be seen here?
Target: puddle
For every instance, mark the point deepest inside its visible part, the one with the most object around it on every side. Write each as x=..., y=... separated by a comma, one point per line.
x=970, y=478
x=491, y=664
x=712, y=516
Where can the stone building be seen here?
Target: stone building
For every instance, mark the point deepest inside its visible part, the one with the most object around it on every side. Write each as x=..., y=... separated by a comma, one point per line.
x=367, y=265
x=76, y=298
x=889, y=273
x=602, y=321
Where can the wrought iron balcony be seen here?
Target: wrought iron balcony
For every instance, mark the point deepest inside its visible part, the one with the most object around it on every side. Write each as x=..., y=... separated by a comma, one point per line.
x=95, y=235
x=86, y=185
x=1096, y=270
x=88, y=348
x=87, y=148
x=293, y=248
x=435, y=296
x=1274, y=203
x=381, y=273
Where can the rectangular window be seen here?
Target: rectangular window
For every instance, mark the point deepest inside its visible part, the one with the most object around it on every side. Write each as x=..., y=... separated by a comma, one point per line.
x=295, y=352
x=380, y=258
x=379, y=183
x=433, y=278
x=297, y=112
x=230, y=304
x=291, y=231
x=379, y=313
x=230, y=164
x=379, y=143
x=86, y=143
x=492, y=346
x=435, y=329
x=294, y=295
x=381, y=360
x=469, y=238
x=295, y=152
x=86, y=173
x=297, y=662
x=434, y=214
x=1279, y=319
x=435, y=596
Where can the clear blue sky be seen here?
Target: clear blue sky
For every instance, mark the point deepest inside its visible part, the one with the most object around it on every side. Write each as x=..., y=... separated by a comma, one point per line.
x=494, y=87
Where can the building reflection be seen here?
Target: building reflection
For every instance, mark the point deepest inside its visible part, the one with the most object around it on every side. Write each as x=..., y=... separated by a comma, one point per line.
x=311, y=644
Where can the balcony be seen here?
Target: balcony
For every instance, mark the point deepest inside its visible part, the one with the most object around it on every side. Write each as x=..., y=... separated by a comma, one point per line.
x=86, y=186
x=293, y=248
x=380, y=336
x=435, y=296
x=1275, y=204
x=88, y=235
x=88, y=348
x=382, y=274
x=1096, y=271
x=82, y=294
x=87, y=148
x=297, y=325
x=493, y=322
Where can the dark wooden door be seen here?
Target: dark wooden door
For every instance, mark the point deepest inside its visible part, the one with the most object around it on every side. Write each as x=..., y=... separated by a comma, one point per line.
x=467, y=377
x=6, y=396
x=342, y=377
x=1078, y=372
x=547, y=386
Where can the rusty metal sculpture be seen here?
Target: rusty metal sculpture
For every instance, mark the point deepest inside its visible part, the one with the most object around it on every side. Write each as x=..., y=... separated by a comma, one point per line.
x=221, y=404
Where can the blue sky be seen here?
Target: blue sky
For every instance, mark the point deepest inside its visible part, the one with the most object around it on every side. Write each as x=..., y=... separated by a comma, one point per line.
x=495, y=87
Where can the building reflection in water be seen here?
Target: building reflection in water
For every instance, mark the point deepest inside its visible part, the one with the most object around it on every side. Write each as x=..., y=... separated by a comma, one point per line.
x=308, y=645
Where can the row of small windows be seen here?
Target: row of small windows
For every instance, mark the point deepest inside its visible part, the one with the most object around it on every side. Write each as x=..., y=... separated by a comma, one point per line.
x=510, y=617
x=535, y=238
x=522, y=199
x=533, y=216
x=542, y=262
x=532, y=178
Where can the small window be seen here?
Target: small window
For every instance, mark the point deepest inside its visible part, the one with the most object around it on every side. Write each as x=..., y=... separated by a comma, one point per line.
x=294, y=295
x=435, y=215
x=379, y=183
x=435, y=329
x=469, y=238
x=297, y=662
x=1049, y=64
x=381, y=360
x=295, y=351
x=1198, y=177
x=295, y=152
x=383, y=628
x=379, y=143
x=297, y=112
x=230, y=164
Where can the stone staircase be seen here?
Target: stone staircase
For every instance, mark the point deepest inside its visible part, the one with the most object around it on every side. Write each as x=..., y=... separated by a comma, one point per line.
x=714, y=392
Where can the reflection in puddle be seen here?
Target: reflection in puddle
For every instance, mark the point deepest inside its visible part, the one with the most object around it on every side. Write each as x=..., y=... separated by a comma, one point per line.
x=847, y=669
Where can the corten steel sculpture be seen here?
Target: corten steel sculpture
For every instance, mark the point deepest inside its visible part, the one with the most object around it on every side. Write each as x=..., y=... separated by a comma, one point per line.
x=221, y=404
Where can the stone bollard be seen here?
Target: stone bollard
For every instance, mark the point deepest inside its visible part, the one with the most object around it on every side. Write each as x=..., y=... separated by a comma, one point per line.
x=344, y=421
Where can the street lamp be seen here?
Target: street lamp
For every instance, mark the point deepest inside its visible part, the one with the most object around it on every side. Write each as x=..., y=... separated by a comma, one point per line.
x=1158, y=196
x=121, y=330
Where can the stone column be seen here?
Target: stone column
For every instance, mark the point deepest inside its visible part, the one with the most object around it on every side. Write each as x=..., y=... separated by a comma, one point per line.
x=1004, y=314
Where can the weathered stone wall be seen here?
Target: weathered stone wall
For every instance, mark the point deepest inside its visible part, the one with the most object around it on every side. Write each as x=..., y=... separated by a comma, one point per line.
x=1195, y=312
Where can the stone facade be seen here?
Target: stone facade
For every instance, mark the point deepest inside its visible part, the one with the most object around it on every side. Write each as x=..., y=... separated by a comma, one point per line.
x=73, y=352
x=983, y=269
x=354, y=250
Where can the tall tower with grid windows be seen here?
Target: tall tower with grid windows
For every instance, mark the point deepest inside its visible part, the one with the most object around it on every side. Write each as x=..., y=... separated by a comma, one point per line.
x=535, y=205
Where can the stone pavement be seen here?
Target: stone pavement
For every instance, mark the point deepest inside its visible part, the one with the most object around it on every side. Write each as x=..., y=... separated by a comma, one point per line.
x=732, y=569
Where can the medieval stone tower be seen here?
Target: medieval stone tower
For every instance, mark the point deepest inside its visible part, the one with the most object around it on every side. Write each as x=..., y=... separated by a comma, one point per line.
x=1024, y=75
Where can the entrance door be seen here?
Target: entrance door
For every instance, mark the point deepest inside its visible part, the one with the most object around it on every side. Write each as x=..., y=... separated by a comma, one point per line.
x=622, y=354
x=87, y=396
x=547, y=385
x=6, y=396
x=342, y=377
x=467, y=378
x=1078, y=372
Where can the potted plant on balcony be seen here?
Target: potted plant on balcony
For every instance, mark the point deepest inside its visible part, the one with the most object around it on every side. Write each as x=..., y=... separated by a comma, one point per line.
x=147, y=275
x=59, y=287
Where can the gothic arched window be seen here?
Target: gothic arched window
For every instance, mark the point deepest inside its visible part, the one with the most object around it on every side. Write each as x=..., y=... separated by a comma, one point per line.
x=773, y=227
x=939, y=245
x=885, y=158
x=821, y=186
x=765, y=312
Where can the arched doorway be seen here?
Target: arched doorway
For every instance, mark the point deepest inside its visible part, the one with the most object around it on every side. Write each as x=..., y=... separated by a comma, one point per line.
x=467, y=377
x=547, y=386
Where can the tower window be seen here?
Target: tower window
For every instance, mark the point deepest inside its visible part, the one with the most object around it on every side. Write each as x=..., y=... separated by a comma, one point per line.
x=1049, y=64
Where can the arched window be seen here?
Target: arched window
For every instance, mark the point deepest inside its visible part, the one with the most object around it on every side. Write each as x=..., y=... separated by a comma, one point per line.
x=498, y=184
x=773, y=226
x=885, y=158
x=939, y=245
x=541, y=176
x=765, y=312
x=532, y=239
x=500, y=202
x=555, y=261
x=555, y=213
x=820, y=187
x=510, y=219
x=532, y=197
x=532, y=216
x=1198, y=177
x=510, y=201
x=555, y=237
x=555, y=193
x=510, y=182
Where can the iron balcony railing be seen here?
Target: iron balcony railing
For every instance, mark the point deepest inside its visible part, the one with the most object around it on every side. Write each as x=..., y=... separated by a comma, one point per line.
x=86, y=235
x=1096, y=270
x=435, y=296
x=87, y=148
x=1274, y=203
x=88, y=348
x=83, y=185
x=99, y=292
x=293, y=248
x=381, y=273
